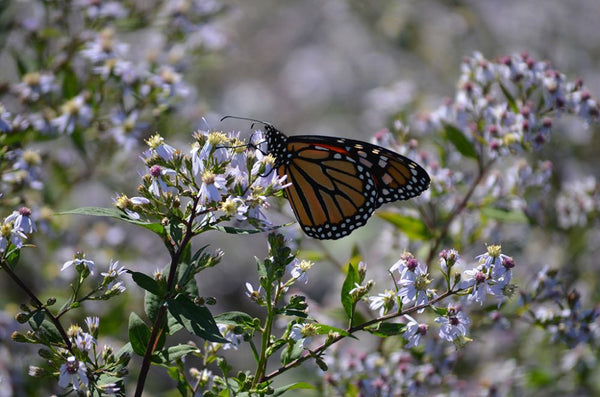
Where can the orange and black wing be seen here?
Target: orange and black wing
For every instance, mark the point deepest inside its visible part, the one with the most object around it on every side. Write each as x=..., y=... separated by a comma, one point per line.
x=336, y=183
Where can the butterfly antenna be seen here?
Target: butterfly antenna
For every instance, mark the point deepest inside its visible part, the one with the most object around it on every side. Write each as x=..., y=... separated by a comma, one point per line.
x=250, y=144
x=247, y=119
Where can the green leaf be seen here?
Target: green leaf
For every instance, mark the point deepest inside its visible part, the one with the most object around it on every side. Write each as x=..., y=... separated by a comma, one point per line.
x=139, y=334
x=386, y=329
x=152, y=303
x=21, y=64
x=511, y=100
x=349, y=283
x=47, y=331
x=196, y=319
x=235, y=318
x=414, y=228
x=117, y=214
x=13, y=258
x=126, y=349
x=38, y=318
x=460, y=141
x=539, y=378
x=147, y=283
x=516, y=216
x=172, y=353
x=237, y=230
x=294, y=386
x=323, y=329
x=70, y=84
x=292, y=351
x=175, y=230
x=79, y=141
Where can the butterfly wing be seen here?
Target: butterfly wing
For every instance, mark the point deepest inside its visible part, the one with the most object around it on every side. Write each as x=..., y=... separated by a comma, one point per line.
x=336, y=183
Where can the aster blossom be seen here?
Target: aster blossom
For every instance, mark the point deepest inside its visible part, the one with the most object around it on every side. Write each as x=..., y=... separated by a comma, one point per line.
x=413, y=283
x=80, y=263
x=74, y=373
x=454, y=325
x=385, y=302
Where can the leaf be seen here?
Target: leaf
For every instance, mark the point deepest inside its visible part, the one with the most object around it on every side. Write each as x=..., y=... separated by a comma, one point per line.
x=139, y=334
x=172, y=353
x=117, y=214
x=292, y=351
x=235, y=318
x=47, y=331
x=152, y=303
x=147, y=283
x=21, y=64
x=324, y=329
x=516, y=216
x=349, y=283
x=237, y=230
x=38, y=318
x=386, y=329
x=511, y=100
x=414, y=228
x=460, y=141
x=294, y=386
x=196, y=319
x=70, y=84
x=13, y=258
x=126, y=349
x=175, y=229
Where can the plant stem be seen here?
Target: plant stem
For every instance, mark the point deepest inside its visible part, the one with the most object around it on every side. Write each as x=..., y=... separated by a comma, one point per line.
x=39, y=305
x=160, y=321
x=350, y=331
x=261, y=367
x=456, y=211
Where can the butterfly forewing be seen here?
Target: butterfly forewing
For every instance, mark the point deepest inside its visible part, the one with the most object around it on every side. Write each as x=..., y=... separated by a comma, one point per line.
x=337, y=183
x=331, y=194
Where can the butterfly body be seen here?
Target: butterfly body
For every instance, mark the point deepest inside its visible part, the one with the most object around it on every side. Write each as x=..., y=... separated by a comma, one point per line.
x=337, y=183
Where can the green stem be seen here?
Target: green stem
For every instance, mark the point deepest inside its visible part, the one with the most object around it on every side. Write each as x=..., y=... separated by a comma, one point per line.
x=161, y=317
x=39, y=305
x=351, y=330
x=261, y=368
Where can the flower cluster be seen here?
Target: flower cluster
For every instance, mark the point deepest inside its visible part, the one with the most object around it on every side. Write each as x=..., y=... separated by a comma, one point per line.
x=578, y=202
x=512, y=98
x=84, y=362
x=490, y=278
x=375, y=374
x=89, y=78
x=142, y=80
x=220, y=179
x=560, y=311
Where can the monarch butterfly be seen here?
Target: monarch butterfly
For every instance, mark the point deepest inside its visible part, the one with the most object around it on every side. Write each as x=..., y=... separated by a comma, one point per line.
x=337, y=183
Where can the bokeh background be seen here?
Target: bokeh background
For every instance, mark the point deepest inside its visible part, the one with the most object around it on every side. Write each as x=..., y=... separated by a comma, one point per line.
x=334, y=67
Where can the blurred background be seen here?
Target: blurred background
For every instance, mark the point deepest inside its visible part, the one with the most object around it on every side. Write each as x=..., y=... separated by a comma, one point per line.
x=344, y=68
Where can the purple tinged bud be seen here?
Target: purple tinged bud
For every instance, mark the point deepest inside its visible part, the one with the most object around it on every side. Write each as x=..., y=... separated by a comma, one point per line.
x=155, y=170
x=508, y=262
x=412, y=264
x=547, y=122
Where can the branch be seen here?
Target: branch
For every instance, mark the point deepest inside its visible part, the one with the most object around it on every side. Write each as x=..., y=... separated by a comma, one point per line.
x=39, y=305
x=158, y=325
x=350, y=331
